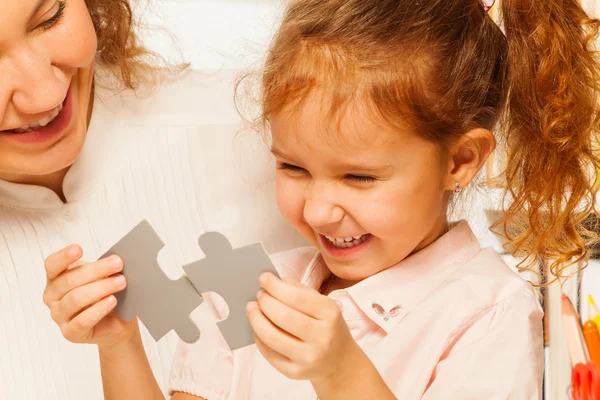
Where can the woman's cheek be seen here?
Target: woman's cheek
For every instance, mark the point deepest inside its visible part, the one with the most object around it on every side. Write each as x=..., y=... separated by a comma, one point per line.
x=78, y=31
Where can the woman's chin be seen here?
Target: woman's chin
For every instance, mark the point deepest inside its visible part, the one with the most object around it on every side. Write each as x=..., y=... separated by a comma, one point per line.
x=58, y=158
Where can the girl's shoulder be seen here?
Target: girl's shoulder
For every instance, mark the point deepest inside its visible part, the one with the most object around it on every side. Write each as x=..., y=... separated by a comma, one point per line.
x=491, y=281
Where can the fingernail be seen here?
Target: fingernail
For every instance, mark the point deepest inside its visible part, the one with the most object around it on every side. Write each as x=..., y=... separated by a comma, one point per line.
x=251, y=306
x=74, y=251
x=119, y=281
x=115, y=263
x=260, y=293
x=263, y=278
x=111, y=301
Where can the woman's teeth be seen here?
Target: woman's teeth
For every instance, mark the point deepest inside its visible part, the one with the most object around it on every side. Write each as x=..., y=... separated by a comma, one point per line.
x=349, y=241
x=42, y=122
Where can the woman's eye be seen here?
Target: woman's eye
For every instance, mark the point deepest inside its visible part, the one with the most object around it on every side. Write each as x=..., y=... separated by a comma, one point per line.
x=49, y=23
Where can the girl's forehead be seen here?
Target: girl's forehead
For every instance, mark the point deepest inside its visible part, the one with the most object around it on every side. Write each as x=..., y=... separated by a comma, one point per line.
x=313, y=122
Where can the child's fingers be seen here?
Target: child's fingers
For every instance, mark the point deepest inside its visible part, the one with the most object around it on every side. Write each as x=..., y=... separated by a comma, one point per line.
x=83, y=297
x=300, y=298
x=285, y=317
x=77, y=277
x=271, y=335
x=77, y=329
x=58, y=262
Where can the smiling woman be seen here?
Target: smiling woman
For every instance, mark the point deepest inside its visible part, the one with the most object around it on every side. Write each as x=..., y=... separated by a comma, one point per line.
x=45, y=88
x=83, y=158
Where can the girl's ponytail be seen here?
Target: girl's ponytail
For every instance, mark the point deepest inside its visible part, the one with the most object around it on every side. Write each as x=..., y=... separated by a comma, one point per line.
x=552, y=117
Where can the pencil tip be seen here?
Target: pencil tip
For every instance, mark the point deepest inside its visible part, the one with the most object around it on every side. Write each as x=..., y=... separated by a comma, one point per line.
x=564, y=297
x=590, y=299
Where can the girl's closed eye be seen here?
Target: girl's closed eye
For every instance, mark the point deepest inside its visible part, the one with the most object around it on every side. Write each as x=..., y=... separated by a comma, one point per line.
x=291, y=168
x=54, y=19
x=360, y=178
x=354, y=178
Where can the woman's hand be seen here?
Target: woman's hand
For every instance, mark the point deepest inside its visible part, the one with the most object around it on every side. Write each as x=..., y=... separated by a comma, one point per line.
x=299, y=331
x=80, y=298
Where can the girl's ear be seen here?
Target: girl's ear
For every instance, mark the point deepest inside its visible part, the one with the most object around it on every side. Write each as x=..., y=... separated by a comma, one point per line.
x=467, y=156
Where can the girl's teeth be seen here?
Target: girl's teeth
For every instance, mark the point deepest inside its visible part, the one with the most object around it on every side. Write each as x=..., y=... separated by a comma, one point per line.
x=347, y=242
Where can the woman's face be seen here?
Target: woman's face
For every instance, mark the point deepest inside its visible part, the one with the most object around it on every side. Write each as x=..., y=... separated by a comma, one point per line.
x=47, y=51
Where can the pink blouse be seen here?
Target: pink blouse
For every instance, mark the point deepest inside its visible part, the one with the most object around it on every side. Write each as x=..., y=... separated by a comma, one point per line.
x=464, y=326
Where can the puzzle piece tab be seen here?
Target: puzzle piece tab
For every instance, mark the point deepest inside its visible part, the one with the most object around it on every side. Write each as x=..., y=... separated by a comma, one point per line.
x=159, y=302
x=233, y=274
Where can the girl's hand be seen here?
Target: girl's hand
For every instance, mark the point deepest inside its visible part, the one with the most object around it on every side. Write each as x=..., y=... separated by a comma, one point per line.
x=80, y=298
x=299, y=331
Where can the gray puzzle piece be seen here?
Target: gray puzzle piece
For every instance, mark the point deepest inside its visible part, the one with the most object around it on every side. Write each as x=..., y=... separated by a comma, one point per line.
x=159, y=302
x=233, y=274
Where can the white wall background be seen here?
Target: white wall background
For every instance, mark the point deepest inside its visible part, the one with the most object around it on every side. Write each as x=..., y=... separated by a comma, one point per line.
x=592, y=7
x=212, y=34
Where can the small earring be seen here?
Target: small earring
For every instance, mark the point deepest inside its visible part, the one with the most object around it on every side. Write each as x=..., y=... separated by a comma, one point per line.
x=457, y=190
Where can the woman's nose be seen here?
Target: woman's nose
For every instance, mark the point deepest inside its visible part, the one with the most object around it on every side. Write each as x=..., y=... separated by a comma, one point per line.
x=36, y=85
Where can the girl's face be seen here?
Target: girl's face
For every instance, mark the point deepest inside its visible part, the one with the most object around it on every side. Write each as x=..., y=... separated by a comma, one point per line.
x=364, y=195
x=47, y=51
